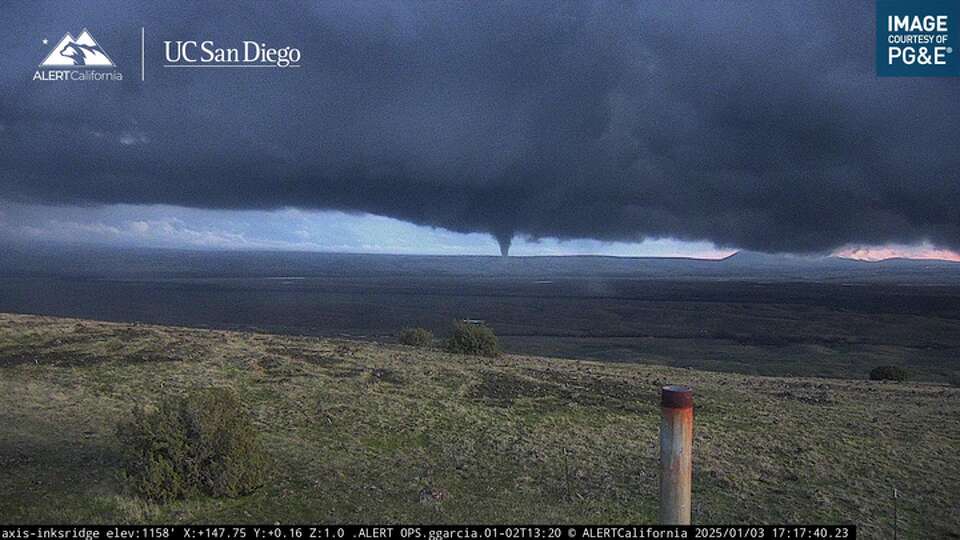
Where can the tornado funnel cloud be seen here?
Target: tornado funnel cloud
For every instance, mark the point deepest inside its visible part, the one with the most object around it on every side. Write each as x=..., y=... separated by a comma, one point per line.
x=504, y=240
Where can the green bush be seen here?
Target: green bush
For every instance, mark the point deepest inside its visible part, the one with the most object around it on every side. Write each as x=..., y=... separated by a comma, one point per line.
x=416, y=337
x=200, y=444
x=888, y=373
x=476, y=339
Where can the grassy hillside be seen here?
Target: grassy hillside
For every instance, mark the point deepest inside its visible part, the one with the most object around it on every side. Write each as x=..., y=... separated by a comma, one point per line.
x=362, y=432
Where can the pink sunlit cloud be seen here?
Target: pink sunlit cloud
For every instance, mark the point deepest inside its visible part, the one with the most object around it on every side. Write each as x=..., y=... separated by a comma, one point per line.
x=895, y=251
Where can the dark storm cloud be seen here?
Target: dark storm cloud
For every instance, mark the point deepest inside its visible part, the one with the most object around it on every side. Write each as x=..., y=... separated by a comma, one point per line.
x=755, y=125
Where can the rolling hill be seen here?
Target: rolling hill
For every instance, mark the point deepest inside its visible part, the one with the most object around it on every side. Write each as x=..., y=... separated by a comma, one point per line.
x=367, y=432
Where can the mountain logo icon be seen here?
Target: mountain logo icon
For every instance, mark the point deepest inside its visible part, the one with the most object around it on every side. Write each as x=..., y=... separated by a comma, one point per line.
x=84, y=51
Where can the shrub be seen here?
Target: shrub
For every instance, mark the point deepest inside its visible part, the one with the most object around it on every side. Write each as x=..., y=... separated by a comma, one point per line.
x=416, y=337
x=476, y=339
x=888, y=373
x=200, y=444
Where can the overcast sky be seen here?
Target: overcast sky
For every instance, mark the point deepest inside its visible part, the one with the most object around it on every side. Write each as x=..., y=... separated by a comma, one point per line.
x=644, y=128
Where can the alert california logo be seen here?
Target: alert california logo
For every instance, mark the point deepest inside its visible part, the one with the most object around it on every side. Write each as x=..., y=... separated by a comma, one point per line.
x=77, y=59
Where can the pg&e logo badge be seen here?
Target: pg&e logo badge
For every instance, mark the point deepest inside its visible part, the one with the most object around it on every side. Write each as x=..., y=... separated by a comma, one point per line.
x=918, y=38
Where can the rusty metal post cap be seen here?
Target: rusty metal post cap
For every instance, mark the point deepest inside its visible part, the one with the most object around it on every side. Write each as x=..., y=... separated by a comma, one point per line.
x=676, y=397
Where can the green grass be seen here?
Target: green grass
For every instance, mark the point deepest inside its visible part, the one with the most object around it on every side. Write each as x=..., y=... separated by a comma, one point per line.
x=363, y=432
